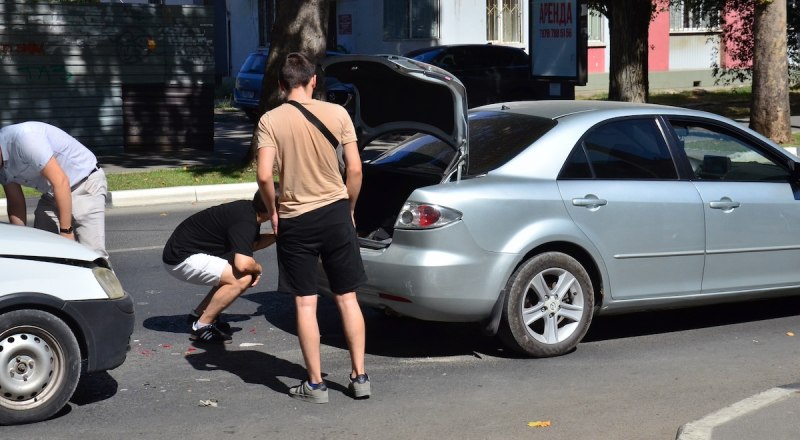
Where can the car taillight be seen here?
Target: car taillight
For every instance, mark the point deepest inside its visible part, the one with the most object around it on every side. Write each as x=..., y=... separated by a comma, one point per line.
x=425, y=216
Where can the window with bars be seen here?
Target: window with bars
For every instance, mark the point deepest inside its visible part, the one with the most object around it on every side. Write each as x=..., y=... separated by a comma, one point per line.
x=596, y=27
x=504, y=21
x=684, y=19
x=410, y=19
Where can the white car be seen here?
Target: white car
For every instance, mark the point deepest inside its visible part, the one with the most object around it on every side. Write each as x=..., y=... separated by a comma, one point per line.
x=62, y=312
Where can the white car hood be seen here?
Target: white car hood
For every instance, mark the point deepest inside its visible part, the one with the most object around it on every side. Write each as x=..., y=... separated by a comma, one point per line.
x=24, y=241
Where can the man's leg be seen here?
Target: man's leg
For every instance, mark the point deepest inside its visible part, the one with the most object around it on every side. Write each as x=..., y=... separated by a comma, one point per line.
x=223, y=295
x=354, y=330
x=89, y=211
x=308, y=334
x=44, y=216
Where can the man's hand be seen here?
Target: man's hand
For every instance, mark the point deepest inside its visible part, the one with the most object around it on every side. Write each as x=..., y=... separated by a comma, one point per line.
x=71, y=235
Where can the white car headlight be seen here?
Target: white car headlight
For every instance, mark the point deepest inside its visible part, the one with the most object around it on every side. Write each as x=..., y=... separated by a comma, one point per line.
x=425, y=216
x=109, y=282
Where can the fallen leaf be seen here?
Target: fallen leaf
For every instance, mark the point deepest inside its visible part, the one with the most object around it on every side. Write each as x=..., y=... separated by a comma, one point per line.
x=539, y=424
x=789, y=333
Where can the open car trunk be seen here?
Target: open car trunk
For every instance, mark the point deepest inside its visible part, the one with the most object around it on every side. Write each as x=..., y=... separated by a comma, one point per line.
x=384, y=190
x=397, y=94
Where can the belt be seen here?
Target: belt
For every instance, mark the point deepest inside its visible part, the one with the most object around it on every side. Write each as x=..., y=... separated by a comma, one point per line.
x=80, y=182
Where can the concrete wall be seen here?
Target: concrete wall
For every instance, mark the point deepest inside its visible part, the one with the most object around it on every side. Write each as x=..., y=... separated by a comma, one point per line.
x=243, y=22
x=71, y=64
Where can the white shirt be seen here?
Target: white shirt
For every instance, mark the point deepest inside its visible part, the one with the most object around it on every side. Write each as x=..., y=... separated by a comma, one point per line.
x=28, y=146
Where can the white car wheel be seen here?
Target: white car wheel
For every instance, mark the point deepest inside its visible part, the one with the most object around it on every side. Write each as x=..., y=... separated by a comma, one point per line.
x=39, y=365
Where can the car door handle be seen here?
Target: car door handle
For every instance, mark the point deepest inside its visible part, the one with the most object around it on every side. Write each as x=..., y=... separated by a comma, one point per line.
x=590, y=201
x=724, y=204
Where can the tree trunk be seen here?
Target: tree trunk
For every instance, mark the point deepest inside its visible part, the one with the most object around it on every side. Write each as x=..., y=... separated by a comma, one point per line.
x=300, y=26
x=770, y=114
x=629, y=25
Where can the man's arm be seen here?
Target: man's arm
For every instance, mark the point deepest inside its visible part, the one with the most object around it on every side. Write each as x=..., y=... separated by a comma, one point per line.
x=242, y=264
x=15, y=204
x=266, y=183
x=62, y=193
x=353, y=165
x=264, y=241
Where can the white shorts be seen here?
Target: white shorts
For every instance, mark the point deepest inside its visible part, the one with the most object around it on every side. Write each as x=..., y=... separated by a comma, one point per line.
x=202, y=269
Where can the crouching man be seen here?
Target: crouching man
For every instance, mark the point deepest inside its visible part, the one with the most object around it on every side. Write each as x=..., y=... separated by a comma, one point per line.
x=214, y=247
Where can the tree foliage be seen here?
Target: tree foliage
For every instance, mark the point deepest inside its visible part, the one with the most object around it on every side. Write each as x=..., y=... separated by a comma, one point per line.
x=740, y=38
x=757, y=37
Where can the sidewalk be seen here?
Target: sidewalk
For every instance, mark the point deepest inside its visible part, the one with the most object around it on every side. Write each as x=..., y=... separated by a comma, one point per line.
x=232, y=135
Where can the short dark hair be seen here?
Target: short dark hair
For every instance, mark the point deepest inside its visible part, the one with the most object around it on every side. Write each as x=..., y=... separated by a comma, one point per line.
x=297, y=70
x=258, y=203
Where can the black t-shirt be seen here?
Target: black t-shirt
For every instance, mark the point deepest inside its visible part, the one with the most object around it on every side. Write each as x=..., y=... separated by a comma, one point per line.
x=222, y=230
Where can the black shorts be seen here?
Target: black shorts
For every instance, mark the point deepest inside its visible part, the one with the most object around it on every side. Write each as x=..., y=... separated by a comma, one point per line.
x=325, y=233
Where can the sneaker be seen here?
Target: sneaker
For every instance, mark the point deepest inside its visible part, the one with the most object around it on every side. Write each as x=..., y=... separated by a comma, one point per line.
x=359, y=386
x=210, y=334
x=222, y=326
x=305, y=392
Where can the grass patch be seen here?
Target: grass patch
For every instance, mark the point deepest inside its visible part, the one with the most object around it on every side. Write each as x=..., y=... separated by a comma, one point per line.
x=186, y=176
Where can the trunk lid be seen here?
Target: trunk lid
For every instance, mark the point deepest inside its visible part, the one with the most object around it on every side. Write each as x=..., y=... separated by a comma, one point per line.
x=394, y=93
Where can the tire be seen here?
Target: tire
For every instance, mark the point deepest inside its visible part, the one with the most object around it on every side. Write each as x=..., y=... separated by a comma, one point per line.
x=549, y=306
x=43, y=358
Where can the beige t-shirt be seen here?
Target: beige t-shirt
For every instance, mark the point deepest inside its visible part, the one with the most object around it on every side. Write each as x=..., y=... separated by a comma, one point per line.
x=306, y=161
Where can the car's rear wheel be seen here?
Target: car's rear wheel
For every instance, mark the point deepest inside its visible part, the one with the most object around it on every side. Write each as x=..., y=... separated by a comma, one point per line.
x=39, y=365
x=548, y=307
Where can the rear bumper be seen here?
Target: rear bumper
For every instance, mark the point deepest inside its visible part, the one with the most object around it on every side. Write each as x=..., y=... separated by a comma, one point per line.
x=437, y=275
x=107, y=326
x=244, y=102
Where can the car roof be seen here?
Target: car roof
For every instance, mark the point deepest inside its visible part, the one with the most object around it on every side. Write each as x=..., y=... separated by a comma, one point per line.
x=422, y=50
x=558, y=109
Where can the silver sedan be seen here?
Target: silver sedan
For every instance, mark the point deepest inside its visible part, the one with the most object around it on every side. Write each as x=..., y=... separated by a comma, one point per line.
x=533, y=217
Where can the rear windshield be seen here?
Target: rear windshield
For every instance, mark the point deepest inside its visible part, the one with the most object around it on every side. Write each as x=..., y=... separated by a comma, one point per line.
x=494, y=139
x=254, y=63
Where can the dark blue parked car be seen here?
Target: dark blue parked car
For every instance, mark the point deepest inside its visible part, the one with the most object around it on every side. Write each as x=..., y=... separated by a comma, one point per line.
x=247, y=91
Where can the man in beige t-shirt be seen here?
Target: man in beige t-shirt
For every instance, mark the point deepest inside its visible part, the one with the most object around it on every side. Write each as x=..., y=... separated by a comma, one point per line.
x=314, y=219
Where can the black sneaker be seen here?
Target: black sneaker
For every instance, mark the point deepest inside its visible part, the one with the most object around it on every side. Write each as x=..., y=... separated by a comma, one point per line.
x=359, y=386
x=210, y=334
x=223, y=326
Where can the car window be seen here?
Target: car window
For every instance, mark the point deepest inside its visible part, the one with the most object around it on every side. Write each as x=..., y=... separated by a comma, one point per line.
x=621, y=149
x=495, y=138
x=719, y=154
x=254, y=63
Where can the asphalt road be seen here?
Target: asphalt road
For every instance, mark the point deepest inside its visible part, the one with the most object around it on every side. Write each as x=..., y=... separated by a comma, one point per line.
x=633, y=377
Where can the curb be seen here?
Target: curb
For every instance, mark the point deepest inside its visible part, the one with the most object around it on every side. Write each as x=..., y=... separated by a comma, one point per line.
x=181, y=194
x=702, y=429
x=177, y=194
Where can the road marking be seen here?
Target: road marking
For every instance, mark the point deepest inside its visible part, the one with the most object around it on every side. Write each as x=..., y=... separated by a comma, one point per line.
x=701, y=429
x=146, y=248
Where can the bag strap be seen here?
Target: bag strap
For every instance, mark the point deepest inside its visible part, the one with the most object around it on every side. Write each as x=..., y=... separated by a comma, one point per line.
x=317, y=123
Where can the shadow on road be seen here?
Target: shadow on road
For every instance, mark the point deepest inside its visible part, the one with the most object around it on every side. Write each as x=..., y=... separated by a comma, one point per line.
x=94, y=387
x=251, y=366
x=386, y=335
x=668, y=321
